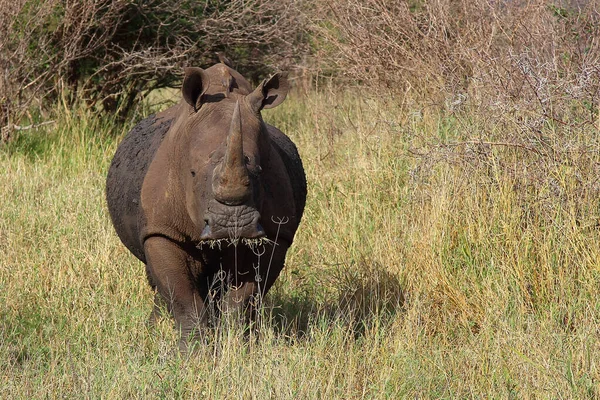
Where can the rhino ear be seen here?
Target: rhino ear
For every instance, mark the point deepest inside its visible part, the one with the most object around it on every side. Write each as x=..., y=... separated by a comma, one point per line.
x=194, y=85
x=270, y=93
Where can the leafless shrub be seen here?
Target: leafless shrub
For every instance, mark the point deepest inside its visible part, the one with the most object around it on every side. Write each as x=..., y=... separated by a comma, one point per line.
x=530, y=55
x=518, y=80
x=110, y=52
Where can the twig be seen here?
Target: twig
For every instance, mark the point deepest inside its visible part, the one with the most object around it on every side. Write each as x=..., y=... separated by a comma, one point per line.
x=414, y=152
x=27, y=127
x=505, y=144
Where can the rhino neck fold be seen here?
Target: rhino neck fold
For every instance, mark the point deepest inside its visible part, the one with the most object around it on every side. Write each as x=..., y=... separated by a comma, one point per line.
x=231, y=183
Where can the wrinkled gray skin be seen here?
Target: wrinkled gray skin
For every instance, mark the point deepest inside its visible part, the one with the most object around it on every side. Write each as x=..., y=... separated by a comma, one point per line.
x=208, y=196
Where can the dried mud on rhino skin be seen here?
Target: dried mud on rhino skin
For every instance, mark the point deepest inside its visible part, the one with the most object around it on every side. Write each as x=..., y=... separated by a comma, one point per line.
x=129, y=167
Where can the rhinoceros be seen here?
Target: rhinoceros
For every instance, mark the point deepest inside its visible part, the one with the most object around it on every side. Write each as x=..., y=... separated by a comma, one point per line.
x=208, y=196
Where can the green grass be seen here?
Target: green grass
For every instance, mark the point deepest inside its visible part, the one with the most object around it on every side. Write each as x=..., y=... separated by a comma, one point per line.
x=450, y=274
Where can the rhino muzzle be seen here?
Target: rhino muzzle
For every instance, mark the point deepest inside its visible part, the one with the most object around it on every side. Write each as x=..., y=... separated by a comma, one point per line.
x=231, y=222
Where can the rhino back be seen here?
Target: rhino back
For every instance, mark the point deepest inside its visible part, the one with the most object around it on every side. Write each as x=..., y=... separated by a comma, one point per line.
x=126, y=175
x=289, y=154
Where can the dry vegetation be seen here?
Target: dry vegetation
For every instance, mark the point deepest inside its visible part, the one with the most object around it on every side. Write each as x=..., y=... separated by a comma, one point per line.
x=406, y=279
x=112, y=53
x=529, y=56
x=450, y=246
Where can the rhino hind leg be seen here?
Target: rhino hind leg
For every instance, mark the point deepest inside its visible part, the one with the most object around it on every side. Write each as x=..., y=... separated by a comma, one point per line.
x=169, y=271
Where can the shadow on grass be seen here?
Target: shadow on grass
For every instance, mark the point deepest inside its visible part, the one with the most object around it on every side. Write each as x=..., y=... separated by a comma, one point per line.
x=364, y=295
x=353, y=298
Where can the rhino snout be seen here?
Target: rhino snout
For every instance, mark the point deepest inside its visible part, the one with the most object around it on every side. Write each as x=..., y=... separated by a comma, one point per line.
x=231, y=222
x=247, y=233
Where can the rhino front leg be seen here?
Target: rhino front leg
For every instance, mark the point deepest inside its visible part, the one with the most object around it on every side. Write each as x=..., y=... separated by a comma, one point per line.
x=240, y=298
x=248, y=295
x=243, y=303
x=169, y=270
x=157, y=313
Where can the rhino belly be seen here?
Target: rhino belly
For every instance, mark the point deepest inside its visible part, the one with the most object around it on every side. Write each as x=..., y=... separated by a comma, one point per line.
x=126, y=175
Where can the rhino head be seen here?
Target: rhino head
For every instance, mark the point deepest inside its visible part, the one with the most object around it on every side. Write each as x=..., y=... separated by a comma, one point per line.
x=227, y=148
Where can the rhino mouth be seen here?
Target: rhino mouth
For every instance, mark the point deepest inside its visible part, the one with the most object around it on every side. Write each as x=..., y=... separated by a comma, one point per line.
x=219, y=244
x=231, y=225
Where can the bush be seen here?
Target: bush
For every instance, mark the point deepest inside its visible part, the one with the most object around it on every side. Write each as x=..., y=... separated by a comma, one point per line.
x=538, y=58
x=111, y=52
x=518, y=80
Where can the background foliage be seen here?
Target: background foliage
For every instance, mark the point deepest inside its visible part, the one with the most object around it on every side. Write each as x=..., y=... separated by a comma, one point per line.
x=112, y=52
x=536, y=58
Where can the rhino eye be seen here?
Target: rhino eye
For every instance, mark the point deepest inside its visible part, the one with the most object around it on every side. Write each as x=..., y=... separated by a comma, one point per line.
x=193, y=173
x=246, y=159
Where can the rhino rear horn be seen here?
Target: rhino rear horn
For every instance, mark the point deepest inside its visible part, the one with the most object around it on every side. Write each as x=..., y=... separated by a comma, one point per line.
x=194, y=86
x=270, y=93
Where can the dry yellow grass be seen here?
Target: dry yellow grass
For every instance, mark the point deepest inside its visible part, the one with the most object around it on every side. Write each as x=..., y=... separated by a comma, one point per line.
x=420, y=270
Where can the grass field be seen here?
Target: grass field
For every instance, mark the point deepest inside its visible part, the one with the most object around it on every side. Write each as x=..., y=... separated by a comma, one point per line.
x=427, y=265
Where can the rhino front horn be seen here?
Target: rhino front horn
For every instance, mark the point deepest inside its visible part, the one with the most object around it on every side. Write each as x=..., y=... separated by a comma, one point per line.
x=231, y=183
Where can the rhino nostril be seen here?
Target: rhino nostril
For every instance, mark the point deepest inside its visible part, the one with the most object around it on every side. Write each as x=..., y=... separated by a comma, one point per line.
x=260, y=231
x=207, y=231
